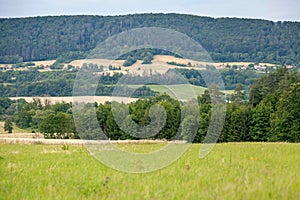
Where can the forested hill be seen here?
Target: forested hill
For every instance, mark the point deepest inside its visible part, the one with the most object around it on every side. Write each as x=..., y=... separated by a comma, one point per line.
x=226, y=39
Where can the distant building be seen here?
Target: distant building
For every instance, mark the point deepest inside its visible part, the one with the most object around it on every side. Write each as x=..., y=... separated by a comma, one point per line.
x=290, y=67
x=221, y=67
x=260, y=68
x=47, y=67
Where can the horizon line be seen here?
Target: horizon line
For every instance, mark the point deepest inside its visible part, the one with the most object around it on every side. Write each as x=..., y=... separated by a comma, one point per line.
x=145, y=13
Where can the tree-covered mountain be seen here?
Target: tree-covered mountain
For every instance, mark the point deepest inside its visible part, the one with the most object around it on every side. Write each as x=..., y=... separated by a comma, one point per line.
x=226, y=39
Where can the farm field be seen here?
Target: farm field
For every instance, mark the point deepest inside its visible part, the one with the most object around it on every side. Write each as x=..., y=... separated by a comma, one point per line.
x=230, y=171
x=183, y=91
x=159, y=64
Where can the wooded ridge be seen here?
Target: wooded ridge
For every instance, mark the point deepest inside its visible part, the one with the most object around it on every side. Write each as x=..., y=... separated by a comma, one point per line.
x=226, y=39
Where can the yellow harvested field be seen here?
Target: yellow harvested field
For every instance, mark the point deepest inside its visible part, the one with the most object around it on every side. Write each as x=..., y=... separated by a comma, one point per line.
x=45, y=63
x=159, y=64
x=79, y=99
x=155, y=67
x=165, y=59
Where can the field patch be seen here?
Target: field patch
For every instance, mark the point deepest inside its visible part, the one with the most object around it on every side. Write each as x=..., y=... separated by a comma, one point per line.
x=179, y=91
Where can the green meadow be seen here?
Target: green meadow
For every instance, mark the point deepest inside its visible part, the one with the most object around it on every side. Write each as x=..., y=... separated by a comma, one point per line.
x=179, y=91
x=230, y=171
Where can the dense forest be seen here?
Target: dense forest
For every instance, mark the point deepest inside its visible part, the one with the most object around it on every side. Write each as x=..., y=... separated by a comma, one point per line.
x=72, y=37
x=271, y=114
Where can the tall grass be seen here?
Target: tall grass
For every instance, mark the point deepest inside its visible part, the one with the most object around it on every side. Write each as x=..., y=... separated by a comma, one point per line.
x=231, y=171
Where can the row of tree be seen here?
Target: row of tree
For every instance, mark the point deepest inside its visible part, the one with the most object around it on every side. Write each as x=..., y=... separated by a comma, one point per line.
x=60, y=83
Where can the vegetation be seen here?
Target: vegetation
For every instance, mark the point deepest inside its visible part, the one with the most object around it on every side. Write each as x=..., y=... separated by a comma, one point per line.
x=72, y=37
x=177, y=64
x=230, y=171
x=60, y=83
x=264, y=107
x=271, y=113
x=230, y=77
x=8, y=126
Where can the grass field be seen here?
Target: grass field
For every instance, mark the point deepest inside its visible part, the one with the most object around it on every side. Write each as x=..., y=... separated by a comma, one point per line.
x=230, y=171
x=182, y=91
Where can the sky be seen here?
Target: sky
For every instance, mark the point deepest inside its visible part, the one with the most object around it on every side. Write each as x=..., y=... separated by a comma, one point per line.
x=275, y=10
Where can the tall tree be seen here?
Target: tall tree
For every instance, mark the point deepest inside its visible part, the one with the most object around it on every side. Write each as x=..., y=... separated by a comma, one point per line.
x=58, y=126
x=8, y=126
x=287, y=116
x=238, y=96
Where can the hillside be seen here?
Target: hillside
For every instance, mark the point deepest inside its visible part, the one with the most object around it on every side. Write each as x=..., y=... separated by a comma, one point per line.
x=72, y=37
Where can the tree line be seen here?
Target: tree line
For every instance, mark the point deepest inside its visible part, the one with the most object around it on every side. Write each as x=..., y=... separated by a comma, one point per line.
x=60, y=83
x=68, y=38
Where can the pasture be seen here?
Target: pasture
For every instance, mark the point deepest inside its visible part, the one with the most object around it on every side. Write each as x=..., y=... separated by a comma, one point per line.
x=180, y=91
x=230, y=171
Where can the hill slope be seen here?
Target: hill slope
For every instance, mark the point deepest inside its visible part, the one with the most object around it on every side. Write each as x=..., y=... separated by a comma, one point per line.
x=226, y=39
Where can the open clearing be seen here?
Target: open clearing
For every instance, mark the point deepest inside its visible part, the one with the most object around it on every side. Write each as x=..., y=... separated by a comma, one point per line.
x=230, y=171
x=180, y=91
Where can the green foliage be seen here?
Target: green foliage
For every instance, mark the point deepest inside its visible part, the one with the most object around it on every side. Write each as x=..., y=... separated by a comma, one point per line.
x=8, y=126
x=237, y=124
x=60, y=83
x=271, y=115
x=226, y=39
x=261, y=119
x=148, y=57
x=277, y=81
x=189, y=128
x=129, y=61
x=176, y=64
x=232, y=78
x=5, y=103
x=238, y=96
x=287, y=116
x=58, y=126
x=23, y=114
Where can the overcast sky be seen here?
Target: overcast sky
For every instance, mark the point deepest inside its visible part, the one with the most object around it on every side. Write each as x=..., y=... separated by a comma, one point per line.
x=276, y=10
